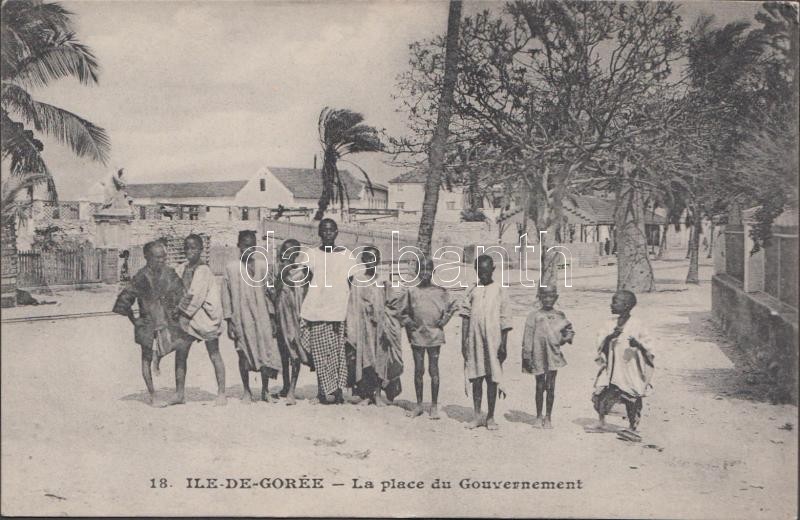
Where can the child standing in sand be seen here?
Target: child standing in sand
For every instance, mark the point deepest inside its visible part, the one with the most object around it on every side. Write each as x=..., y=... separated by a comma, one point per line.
x=158, y=290
x=429, y=310
x=201, y=309
x=626, y=363
x=486, y=320
x=290, y=289
x=546, y=330
x=246, y=308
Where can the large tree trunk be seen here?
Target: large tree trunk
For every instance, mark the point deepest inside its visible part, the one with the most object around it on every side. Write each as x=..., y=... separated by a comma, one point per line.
x=439, y=141
x=694, y=249
x=549, y=218
x=634, y=272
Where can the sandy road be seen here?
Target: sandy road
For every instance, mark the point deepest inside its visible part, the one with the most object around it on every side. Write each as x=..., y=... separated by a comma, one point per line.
x=77, y=438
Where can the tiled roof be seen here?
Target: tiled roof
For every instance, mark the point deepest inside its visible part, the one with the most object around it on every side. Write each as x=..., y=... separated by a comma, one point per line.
x=598, y=211
x=414, y=176
x=167, y=190
x=306, y=183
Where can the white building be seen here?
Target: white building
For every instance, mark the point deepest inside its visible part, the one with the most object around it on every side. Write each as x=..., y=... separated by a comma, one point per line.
x=243, y=199
x=407, y=192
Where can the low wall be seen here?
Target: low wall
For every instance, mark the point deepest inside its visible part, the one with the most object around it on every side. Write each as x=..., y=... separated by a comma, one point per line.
x=763, y=328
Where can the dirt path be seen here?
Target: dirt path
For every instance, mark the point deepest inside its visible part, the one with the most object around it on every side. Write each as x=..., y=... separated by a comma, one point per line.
x=77, y=438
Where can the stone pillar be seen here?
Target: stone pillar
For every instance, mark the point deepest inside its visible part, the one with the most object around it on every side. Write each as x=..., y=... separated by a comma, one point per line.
x=753, y=264
x=84, y=210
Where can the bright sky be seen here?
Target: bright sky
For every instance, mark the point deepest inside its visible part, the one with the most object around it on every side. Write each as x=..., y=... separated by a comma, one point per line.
x=203, y=90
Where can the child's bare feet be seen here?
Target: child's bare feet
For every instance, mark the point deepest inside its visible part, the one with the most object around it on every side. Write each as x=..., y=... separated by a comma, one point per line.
x=537, y=423
x=474, y=423
x=178, y=399
x=247, y=397
x=221, y=400
x=434, y=413
x=362, y=402
x=546, y=424
x=379, y=402
x=266, y=397
x=290, y=400
x=151, y=401
x=284, y=392
x=415, y=412
x=491, y=425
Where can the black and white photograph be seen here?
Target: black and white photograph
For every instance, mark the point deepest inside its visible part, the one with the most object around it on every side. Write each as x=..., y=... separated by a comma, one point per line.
x=413, y=258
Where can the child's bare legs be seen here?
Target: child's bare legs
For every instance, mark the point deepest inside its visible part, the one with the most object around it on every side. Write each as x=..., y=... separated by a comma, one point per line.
x=540, y=387
x=550, y=384
x=212, y=347
x=286, y=362
x=477, y=398
x=247, y=395
x=433, y=370
x=147, y=359
x=265, y=385
x=419, y=373
x=290, y=399
x=181, y=356
x=491, y=397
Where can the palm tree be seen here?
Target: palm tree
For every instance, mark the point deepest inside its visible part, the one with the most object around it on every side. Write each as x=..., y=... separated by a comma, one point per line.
x=39, y=46
x=341, y=133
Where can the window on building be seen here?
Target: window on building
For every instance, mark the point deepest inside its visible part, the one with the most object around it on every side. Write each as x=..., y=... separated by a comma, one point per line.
x=263, y=184
x=194, y=213
x=451, y=205
x=245, y=213
x=400, y=205
x=142, y=212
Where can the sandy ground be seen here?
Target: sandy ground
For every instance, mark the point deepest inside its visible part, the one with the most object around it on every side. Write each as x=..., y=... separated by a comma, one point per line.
x=77, y=438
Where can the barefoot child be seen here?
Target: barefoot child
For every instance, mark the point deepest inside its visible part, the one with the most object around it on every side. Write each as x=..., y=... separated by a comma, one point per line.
x=290, y=290
x=486, y=320
x=429, y=310
x=365, y=317
x=158, y=290
x=246, y=308
x=546, y=329
x=626, y=364
x=201, y=310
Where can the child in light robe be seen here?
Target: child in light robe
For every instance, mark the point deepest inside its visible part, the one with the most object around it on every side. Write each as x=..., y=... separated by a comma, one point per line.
x=201, y=308
x=486, y=320
x=546, y=329
x=246, y=308
x=626, y=363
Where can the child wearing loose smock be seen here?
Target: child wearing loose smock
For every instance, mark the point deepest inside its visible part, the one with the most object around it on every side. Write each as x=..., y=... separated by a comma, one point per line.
x=546, y=330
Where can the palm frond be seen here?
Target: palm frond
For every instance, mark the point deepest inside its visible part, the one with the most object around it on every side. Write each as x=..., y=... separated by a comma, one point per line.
x=81, y=135
x=21, y=149
x=68, y=59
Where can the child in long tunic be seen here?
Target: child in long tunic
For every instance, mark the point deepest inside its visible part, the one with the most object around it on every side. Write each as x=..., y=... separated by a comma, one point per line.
x=246, y=308
x=389, y=355
x=158, y=290
x=546, y=329
x=429, y=310
x=486, y=320
x=626, y=363
x=289, y=293
x=365, y=317
x=201, y=309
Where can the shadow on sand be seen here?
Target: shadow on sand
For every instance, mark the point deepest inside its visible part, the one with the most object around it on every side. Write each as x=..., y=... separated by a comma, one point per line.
x=744, y=381
x=520, y=417
x=461, y=414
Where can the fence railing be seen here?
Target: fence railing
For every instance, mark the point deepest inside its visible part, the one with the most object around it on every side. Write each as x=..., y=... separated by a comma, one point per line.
x=38, y=269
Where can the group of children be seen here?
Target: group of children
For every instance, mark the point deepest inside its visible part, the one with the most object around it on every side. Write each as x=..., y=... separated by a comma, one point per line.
x=272, y=331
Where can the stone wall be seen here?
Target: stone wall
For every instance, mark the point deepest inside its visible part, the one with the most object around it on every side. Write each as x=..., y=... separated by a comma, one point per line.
x=763, y=328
